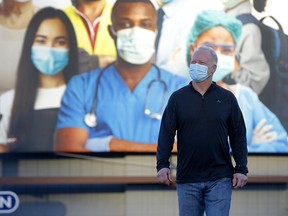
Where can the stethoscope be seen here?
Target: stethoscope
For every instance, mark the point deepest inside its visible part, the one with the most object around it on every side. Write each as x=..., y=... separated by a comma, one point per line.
x=90, y=118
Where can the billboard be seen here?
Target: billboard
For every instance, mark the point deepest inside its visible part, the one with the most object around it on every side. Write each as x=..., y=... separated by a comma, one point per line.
x=107, y=110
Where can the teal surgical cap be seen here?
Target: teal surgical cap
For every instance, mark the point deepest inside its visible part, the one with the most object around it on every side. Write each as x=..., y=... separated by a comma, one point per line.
x=211, y=18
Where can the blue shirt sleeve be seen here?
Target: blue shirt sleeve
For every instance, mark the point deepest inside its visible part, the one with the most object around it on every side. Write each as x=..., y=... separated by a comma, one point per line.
x=254, y=111
x=72, y=110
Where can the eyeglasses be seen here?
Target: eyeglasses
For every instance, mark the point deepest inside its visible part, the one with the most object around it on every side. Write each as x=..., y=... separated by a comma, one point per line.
x=225, y=49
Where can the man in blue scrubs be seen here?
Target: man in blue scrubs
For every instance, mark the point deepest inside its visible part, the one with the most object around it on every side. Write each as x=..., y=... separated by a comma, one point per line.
x=131, y=93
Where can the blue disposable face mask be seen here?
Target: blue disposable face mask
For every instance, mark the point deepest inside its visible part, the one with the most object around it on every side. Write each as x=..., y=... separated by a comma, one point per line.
x=225, y=66
x=198, y=72
x=49, y=60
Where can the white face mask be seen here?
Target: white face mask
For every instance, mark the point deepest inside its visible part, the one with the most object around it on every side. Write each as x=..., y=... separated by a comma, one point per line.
x=136, y=45
x=198, y=72
x=230, y=3
x=225, y=66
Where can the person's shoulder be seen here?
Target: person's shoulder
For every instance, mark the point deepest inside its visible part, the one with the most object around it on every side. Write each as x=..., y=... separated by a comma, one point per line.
x=247, y=91
x=222, y=90
x=69, y=9
x=182, y=90
x=107, y=10
x=219, y=88
x=251, y=28
x=173, y=78
x=109, y=5
x=86, y=77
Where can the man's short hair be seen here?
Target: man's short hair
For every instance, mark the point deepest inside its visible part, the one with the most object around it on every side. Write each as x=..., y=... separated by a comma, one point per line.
x=210, y=50
x=118, y=2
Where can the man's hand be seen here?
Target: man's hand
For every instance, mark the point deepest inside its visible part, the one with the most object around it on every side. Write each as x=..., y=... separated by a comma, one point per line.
x=239, y=180
x=263, y=133
x=164, y=176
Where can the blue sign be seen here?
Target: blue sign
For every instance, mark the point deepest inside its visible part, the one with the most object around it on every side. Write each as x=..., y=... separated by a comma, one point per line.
x=9, y=202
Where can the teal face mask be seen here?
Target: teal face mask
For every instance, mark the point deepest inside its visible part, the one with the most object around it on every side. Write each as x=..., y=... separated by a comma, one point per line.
x=225, y=66
x=49, y=60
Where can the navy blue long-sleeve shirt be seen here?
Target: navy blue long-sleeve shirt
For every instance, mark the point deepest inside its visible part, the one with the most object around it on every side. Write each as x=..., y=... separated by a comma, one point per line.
x=203, y=125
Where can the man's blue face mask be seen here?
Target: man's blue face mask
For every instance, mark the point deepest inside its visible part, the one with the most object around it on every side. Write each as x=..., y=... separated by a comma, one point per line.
x=198, y=72
x=226, y=59
x=49, y=60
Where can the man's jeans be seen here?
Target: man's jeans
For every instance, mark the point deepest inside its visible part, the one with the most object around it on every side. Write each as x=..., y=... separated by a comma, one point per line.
x=213, y=196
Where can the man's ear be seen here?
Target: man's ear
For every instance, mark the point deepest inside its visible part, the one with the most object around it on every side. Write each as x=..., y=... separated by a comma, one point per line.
x=214, y=67
x=111, y=32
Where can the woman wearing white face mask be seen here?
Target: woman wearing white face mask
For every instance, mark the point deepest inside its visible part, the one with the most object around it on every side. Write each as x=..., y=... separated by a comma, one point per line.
x=215, y=29
x=49, y=59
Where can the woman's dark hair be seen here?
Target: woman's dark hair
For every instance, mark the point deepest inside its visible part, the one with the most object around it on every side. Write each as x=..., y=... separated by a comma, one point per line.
x=27, y=81
x=259, y=5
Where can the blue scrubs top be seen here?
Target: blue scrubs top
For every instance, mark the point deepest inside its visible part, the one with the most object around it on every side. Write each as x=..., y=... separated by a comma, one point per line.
x=254, y=111
x=120, y=112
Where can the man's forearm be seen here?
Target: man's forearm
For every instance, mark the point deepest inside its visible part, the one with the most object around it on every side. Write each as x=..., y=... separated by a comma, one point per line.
x=119, y=145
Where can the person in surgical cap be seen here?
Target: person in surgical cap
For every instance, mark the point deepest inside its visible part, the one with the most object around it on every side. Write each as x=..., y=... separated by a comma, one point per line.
x=221, y=32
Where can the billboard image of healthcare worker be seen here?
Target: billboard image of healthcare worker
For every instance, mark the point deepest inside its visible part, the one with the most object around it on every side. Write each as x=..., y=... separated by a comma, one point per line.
x=82, y=82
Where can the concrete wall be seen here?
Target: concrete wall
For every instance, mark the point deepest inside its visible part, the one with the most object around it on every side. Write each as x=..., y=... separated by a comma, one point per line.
x=149, y=199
